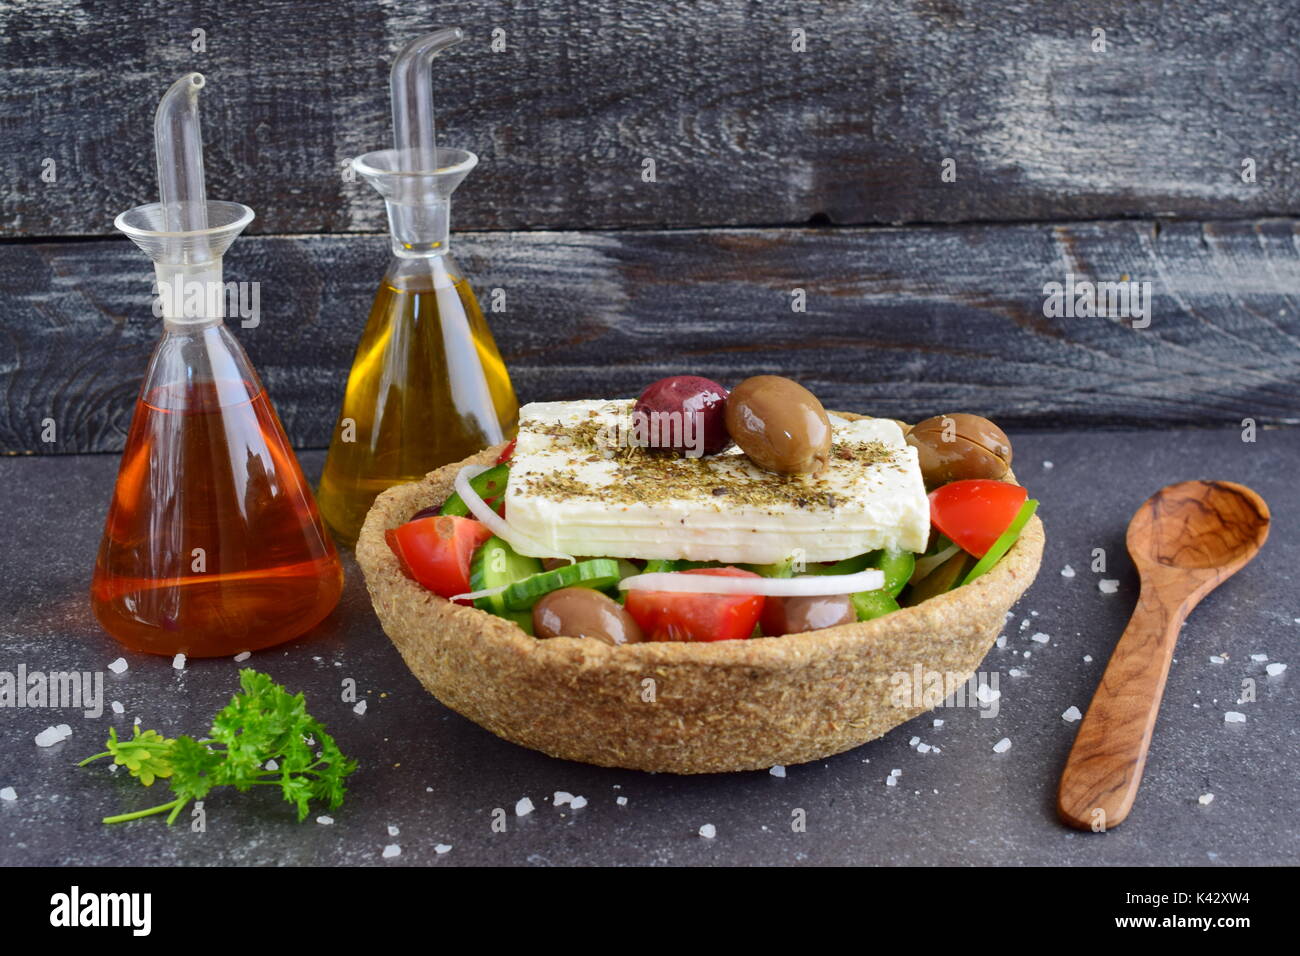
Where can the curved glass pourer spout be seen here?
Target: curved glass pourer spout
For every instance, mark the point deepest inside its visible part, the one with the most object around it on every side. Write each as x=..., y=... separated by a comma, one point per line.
x=213, y=542
x=427, y=385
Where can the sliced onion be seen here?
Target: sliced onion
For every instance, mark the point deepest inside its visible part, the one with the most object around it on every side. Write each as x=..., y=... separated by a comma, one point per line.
x=925, y=566
x=813, y=585
x=475, y=595
x=495, y=523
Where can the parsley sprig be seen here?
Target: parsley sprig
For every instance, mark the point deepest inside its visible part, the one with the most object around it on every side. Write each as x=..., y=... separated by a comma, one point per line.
x=263, y=723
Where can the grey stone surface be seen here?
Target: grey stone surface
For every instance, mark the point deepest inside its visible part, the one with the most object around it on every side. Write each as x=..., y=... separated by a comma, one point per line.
x=438, y=777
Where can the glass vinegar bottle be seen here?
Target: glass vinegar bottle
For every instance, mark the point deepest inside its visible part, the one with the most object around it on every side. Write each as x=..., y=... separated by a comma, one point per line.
x=213, y=543
x=427, y=386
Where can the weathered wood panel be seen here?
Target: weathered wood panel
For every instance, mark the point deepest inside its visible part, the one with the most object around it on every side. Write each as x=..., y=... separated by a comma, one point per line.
x=742, y=129
x=901, y=322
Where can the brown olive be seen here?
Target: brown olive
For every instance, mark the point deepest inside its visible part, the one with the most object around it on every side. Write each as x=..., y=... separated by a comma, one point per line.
x=960, y=446
x=779, y=424
x=794, y=615
x=582, y=612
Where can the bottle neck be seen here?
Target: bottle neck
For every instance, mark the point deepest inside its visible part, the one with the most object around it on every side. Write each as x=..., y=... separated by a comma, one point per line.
x=419, y=230
x=190, y=296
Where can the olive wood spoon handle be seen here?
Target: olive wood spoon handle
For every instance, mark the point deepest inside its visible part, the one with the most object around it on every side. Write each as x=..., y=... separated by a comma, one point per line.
x=1185, y=540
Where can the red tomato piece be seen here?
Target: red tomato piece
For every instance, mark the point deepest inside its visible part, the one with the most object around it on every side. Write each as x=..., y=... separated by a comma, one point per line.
x=681, y=616
x=974, y=513
x=436, y=551
x=507, y=453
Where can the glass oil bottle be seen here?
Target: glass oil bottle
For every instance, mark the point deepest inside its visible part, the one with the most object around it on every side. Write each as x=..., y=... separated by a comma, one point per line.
x=427, y=385
x=213, y=543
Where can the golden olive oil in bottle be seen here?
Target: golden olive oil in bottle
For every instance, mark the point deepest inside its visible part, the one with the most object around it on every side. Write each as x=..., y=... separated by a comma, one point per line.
x=427, y=387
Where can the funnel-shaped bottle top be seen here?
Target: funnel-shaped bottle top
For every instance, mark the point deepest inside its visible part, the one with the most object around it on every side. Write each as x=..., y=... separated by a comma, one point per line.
x=183, y=233
x=416, y=178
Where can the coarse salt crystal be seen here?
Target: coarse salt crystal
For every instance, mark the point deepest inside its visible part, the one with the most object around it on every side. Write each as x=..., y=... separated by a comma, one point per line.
x=392, y=830
x=243, y=655
x=987, y=694
x=916, y=740
x=578, y=803
x=8, y=793
x=1002, y=640
x=50, y=736
x=1015, y=672
x=178, y=662
x=938, y=722
x=777, y=771
x=1259, y=657
x=325, y=821
x=391, y=851
x=1002, y=746
x=1275, y=668
x=895, y=773
x=360, y=708
x=1205, y=799
x=117, y=707
x=442, y=848
x=1026, y=654
x=118, y=666
x=1048, y=466
x=523, y=807
x=271, y=765
x=1071, y=714
x=1087, y=658
x=708, y=831
x=1234, y=717
x=1107, y=585
x=1216, y=659
x=621, y=801
x=1024, y=625
x=561, y=798
x=1067, y=572
x=923, y=748
x=1040, y=638
x=891, y=781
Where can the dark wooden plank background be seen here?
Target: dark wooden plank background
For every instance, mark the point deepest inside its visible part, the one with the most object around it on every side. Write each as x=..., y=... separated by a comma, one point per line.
x=776, y=170
x=900, y=322
x=744, y=131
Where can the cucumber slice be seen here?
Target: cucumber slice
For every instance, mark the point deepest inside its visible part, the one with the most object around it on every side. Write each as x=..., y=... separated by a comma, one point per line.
x=898, y=566
x=781, y=569
x=496, y=563
x=660, y=565
x=873, y=604
x=597, y=573
x=853, y=565
x=1005, y=540
x=490, y=484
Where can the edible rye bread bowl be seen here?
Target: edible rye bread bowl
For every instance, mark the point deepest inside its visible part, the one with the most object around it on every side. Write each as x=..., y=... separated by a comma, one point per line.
x=680, y=707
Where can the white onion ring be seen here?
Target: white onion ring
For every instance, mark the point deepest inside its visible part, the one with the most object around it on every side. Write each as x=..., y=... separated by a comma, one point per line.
x=475, y=595
x=495, y=523
x=812, y=585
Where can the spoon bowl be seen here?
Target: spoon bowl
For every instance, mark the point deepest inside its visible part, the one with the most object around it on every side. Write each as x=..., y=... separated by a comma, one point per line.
x=1185, y=540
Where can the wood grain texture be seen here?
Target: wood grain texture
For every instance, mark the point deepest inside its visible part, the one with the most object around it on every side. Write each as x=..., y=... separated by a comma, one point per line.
x=904, y=323
x=743, y=130
x=1185, y=541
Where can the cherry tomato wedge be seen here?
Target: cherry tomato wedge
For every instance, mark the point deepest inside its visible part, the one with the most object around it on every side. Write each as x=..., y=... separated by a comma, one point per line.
x=507, y=453
x=436, y=551
x=679, y=616
x=974, y=513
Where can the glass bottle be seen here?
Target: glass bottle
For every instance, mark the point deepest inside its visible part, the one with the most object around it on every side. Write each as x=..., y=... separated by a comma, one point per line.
x=213, y=543
x=427, y=385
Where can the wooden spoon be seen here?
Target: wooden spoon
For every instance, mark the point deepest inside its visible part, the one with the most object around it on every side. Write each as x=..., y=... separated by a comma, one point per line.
x=1185, y=540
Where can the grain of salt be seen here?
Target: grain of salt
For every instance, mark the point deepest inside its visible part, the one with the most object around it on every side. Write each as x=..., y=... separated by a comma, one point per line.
x=777, y=771
x=117, y=707
x=9, y=794
x=1107, y=585
x=1205, y=799
x=708, y=831
x=1275, y=668
x=391, y=851
x=178, y=662
x=360, y=708
x=118, y=666
x=523, y=807
x=1234, y=717
x=442, y=848
x=1071, y=714
x=1067, y=572
x=243, y=656
x=1002, y=746
x=621, y=801
x=1259, y=658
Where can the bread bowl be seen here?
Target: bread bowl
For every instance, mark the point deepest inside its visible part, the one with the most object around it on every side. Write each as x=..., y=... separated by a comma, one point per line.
x=679, y=707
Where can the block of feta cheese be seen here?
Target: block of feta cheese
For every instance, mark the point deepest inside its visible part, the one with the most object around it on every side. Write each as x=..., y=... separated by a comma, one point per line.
x=578, y=486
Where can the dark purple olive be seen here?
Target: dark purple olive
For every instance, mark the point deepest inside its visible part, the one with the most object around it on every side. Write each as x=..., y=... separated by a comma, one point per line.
x=685, y=414
x=582, y=612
